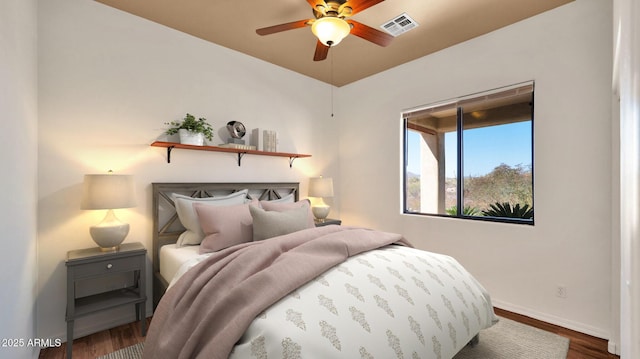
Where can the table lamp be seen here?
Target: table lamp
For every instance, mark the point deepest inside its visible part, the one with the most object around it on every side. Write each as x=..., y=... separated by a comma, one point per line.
x=108, y=191
x=320, y=187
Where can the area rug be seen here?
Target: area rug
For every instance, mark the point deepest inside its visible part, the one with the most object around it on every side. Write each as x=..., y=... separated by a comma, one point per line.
x=132, y=352
x=512, y=340
x=505, y=340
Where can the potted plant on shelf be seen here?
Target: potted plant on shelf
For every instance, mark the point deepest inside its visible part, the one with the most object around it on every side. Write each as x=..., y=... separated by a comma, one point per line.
x=191, y=131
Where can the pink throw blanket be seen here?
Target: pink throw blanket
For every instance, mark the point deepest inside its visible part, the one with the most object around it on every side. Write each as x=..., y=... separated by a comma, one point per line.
x=207, y=311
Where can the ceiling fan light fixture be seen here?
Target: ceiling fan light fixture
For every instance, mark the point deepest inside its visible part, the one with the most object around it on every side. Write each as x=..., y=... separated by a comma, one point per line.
x=330, y=30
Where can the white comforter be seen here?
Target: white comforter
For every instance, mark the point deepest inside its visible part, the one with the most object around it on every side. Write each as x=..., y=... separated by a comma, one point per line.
x=393, y=302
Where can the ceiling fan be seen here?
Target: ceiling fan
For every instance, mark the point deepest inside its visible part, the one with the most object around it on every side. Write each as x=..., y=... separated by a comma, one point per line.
x=332, y=24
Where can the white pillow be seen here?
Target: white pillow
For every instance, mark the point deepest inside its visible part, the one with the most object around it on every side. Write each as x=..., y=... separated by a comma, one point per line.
x=269, y=224
x=189, y=218
x=290, y=198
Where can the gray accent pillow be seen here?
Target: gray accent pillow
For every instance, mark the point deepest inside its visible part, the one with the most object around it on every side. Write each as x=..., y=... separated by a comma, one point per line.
x=285, y=206
x=269, y=224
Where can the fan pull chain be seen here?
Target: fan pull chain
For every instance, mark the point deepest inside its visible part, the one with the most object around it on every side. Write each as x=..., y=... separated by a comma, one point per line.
x=331, y=84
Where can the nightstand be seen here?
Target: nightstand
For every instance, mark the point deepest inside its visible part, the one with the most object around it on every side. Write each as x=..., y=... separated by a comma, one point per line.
x=327, y=221
x=92, y=263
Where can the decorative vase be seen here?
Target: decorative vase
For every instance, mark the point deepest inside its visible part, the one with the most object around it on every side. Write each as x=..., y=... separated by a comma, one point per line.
x=191, y=138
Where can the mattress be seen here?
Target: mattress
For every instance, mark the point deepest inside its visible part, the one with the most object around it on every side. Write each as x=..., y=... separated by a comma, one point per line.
x=172, y=258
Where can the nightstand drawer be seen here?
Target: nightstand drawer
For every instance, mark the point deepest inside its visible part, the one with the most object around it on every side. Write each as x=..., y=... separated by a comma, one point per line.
x=114, y=265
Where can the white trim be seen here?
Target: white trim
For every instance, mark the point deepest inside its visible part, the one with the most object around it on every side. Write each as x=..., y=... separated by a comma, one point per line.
x=552, y=319
x=628, y=69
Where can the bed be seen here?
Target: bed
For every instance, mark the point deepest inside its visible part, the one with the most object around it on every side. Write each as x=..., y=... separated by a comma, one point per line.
x=331, y=291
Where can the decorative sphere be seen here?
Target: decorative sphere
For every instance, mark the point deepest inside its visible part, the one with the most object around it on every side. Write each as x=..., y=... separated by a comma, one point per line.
x=236, y=129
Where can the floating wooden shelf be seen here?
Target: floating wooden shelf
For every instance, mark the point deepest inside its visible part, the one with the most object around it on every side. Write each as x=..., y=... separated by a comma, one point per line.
x=171, y=145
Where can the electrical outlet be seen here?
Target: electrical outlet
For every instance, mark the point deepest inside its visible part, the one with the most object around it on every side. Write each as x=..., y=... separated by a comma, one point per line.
x=561, y=291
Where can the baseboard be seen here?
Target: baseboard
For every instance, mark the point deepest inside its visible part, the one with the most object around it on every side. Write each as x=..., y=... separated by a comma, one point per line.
x=552, y=319
x=612, y=347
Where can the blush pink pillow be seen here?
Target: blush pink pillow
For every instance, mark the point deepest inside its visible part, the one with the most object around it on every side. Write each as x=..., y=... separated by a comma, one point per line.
x=283, y=206
x=224, y=226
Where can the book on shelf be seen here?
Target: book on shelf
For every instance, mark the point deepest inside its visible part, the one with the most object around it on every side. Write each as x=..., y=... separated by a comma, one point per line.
x=237, y=146
x=270, y=141
x=265, y=140
x=256, y=138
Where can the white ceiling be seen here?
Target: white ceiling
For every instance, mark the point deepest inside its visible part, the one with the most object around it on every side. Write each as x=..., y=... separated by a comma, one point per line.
x=232, y=24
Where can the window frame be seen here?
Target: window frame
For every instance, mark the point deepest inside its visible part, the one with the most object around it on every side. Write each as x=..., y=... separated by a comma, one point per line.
x=460, y=157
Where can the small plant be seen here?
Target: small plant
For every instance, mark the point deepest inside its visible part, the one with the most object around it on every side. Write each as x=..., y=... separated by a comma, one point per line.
x=191, y=124
x=467, y=211
x=505, y=210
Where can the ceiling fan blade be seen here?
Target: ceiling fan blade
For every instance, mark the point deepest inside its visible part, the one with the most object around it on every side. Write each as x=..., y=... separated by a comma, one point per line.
x=322, y=51
x=370, y=34
x=282, y=27
x=315, y=3
x=360, y=5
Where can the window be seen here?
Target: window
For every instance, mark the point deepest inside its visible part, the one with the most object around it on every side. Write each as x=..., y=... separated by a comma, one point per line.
x=472, y=157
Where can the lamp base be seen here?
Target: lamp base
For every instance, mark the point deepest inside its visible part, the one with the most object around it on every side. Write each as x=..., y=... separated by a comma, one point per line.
x=109, y=233
x=320, y=212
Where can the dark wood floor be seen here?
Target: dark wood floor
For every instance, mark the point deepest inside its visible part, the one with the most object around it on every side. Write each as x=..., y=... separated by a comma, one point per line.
x=100, y=343
x=582, y=346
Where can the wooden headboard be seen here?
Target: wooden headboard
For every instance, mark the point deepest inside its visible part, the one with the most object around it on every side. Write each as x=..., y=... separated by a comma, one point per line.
x=166, y=224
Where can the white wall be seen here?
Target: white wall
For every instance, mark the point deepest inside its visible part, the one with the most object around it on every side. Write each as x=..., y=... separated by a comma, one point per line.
x=567, y=51
x=108, y=83
x=18, y=150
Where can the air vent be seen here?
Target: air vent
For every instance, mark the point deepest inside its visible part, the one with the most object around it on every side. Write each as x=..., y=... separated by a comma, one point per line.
x=399, y=25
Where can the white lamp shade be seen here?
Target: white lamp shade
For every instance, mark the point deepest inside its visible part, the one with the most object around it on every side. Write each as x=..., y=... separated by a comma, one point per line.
x=330, y=30
x=108, y=191
x=321, y=187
